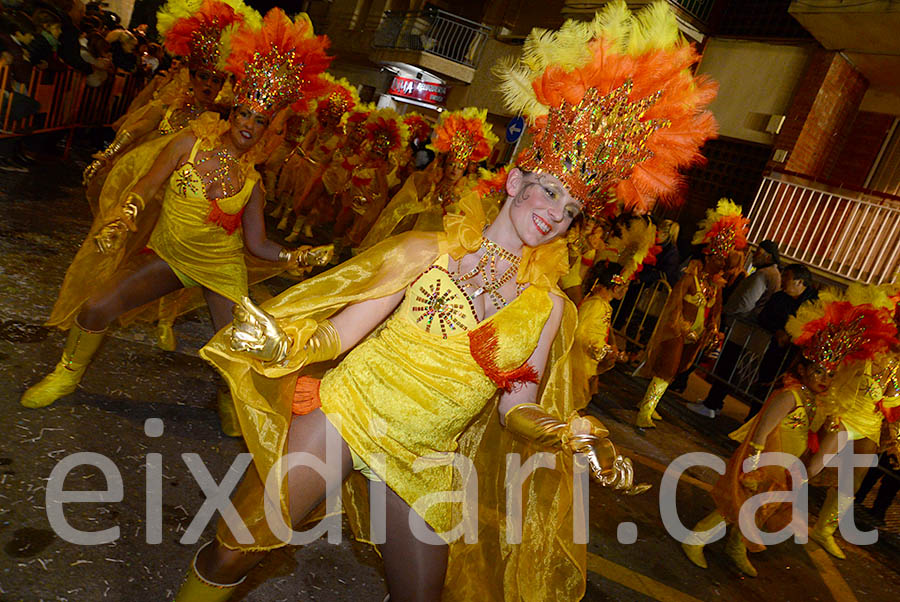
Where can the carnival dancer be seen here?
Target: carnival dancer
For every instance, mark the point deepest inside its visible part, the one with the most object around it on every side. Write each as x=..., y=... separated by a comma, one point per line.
x=615, y=267
x=212, y=210
x=303, y=172
x=346, y=160
x=864, y=395
x=369, y=182
x=830, y=332
x=689, y=321
x=471, y=330
x=459, y=139
x=201, y=34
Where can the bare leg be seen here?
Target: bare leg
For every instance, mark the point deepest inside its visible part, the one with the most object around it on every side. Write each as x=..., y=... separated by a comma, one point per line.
x=145, y=279
x=308, y=488
x=219, y=308
x=414, y=569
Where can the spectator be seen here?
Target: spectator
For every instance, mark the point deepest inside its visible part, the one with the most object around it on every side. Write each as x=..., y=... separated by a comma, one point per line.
x=46, y=40
x=888, y=472
x=754, y=291
x=16, y=32
x=123, y=44
x=99, y=56
x=796, y=288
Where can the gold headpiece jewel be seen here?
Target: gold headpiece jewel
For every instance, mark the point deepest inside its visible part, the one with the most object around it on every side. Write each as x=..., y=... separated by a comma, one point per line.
x=278, y=65
x=723, y=229
x=613, y=105
x=464, y=136
x=200, y=30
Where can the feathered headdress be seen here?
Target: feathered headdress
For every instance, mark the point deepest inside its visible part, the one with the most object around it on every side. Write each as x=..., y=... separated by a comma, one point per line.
x=632, y=249
x=338, y=100
x=278, y=65
x=492, y=183
x=614, y=107
x=201, y=30
x=722, y=230
x=843, y=327
x=386, y=132
x=418, y=127
x=361, y=113
x=464, y=136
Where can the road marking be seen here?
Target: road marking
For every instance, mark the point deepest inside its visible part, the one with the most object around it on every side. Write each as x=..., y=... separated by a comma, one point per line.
x=830, y=575
x=636, y=581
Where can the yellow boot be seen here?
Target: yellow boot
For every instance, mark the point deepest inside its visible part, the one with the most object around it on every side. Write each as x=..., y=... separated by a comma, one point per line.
x=694, y=544
x=197, y=589
x=827, y=523
x=648, y=405
x=165, y=336
x=736, y=549
x=228, y=418
x=294, y=236
x=80, y=348
x=655, y=415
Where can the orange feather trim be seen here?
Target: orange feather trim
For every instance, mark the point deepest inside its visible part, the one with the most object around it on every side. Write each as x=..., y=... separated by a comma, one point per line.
x=306, y=396
x=483, y=345
x=228, y=221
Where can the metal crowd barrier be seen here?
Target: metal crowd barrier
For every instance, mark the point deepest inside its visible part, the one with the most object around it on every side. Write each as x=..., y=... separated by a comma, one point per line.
x=636, y=317
x=66, y=101
x=738, y=363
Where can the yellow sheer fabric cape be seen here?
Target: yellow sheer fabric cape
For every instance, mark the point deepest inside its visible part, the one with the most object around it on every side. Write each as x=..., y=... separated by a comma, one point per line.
x=547, y=564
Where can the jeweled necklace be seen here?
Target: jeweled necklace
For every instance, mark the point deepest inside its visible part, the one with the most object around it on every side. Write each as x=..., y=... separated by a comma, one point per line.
x=221, y=174
x=486, y=269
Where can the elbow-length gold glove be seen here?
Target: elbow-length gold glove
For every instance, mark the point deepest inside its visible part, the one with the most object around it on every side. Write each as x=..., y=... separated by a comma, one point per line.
x=258, y=334
x=578, y=435
x=307, y=256
x=111, y=236
x=121, y=142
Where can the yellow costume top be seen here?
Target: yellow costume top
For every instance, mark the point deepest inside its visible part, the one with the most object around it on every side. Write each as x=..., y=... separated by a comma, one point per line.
x=200, y=237
x=432, y=396
x=862, y=393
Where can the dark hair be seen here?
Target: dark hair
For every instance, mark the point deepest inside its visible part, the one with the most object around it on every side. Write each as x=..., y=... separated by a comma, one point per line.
x=18, y=22
x=601, y=273
x=800, y=272
x=44, y=18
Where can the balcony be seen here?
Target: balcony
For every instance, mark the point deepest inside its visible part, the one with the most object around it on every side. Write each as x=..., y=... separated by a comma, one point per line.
x=435, y=40
x=851, y=234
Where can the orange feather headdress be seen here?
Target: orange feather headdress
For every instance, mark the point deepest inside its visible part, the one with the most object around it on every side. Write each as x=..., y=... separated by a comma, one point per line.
x=722, y=230
x=337, y=101
x=386, y=132
x=614, y=107
x=278, y=65
x=419, y=128
x=200, y=31
x=464, y=136
x=841, y=327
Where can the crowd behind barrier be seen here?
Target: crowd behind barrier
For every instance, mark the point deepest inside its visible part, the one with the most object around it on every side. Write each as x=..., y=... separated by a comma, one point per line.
x=66, y=102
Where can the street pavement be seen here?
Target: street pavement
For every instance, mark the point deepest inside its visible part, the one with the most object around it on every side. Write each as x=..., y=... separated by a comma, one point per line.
x=131, y=381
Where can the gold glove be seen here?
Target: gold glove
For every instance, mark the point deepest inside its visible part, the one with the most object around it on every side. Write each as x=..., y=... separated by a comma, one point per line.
x=257, y=333
x=91, y=170
x=122, y=140
x=598, y=352
x=306, y=256
x=584, y=435
x=112, y=235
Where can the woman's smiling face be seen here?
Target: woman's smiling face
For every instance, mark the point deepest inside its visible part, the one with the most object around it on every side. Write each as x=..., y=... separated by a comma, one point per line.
x=542, y=208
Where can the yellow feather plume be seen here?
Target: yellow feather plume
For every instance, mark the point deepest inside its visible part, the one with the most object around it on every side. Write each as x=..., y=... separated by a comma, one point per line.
x=654, y=27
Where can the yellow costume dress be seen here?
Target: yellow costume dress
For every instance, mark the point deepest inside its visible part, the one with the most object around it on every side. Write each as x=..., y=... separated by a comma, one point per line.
x=595, y=352
x=90, y=269
x=426, y=383
x=864, y=395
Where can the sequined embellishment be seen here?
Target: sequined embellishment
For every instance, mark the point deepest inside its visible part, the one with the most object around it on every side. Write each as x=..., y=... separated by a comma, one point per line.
x=434, y=303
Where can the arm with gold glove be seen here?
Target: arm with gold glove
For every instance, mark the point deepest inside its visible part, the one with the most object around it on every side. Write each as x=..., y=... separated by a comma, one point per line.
x=123, y=141
x=578, y=434
x=284, y=347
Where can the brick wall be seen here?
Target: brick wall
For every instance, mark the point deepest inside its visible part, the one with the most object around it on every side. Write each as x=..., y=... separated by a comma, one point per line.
x=821, y=115
x=864, y=140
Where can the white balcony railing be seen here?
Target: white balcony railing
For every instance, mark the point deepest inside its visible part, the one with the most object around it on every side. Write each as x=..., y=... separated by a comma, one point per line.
x=852, y=235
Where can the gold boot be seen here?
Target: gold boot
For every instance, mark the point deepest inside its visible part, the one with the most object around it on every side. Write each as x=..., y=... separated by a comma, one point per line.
x=198, y=589
x=77, y=353
x=645, y=412
x=165, y=336
x=655, y=415
x=827, y=523
x=294, y=236
x=694, y=544
x=228, y=418
x=736, y=549
x=283, y=224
